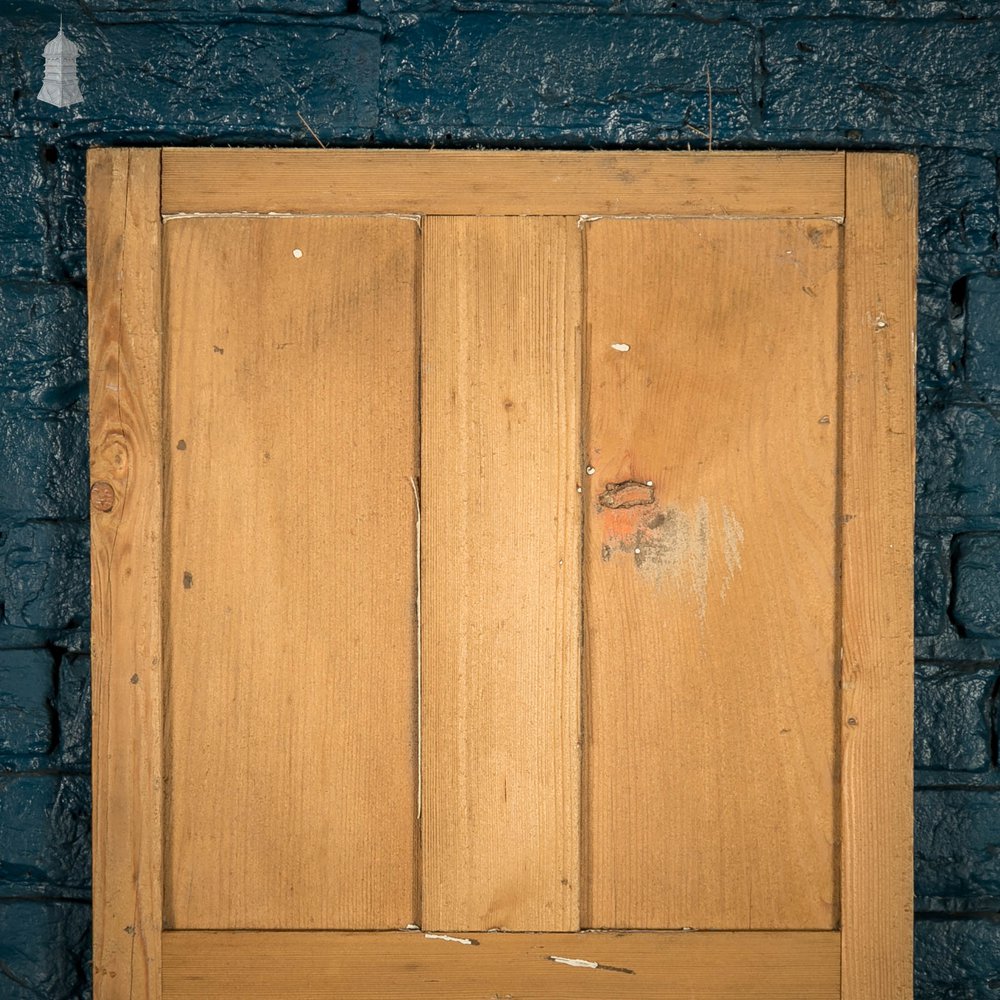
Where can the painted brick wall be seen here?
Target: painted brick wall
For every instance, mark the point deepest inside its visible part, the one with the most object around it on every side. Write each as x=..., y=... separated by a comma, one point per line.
x=856, y=74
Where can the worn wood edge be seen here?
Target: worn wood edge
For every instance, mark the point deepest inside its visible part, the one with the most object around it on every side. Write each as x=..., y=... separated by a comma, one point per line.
x=878, y=456
x=704, y=965
x=499, y=182
x=124, y=297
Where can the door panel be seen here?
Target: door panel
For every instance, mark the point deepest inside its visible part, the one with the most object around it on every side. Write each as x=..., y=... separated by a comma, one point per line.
x=500, y=587
x=545, y=572
x=711, y=592
x=291, y=435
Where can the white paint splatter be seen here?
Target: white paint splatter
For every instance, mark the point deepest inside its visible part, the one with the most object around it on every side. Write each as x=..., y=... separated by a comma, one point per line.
x=621, y=347
x=577, y=963
x=732, y=547
x=698, y=557
x=447, y=937
x=296, y=253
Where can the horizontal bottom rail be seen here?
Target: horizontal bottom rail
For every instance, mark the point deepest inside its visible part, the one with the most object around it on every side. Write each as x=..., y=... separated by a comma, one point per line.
x=667, y=965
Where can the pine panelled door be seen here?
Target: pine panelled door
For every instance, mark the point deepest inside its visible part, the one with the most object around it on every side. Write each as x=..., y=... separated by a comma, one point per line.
x=502, y=570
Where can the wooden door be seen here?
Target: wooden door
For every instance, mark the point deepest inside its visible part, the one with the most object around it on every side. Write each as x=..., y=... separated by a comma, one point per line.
x=502, y=574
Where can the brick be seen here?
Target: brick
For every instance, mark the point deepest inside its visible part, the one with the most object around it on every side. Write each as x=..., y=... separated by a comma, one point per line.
x=956, y=959
x=958, y=457
x=68, y=212
x=982, y=336
x=45, y=463
x=931, y=583
x=27, y=698
x=952, y=718
x=44, y=950
x=940, y=340
x=894, y=81
x=976, y=598
x=165, y=12
x=45, y=575
x=73, y=706
x=45, y=834
x=43, y=352
x=958, y=222
x=604, y=79
x=957, y=849
x=231, y=77
x=23, y=209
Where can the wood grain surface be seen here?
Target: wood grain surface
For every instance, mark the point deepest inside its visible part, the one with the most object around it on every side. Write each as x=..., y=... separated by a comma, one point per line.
x=710, y=573
x=292, y=441
x=665, y=966
x=123, y=255
x=502, y=182
x=501, y=574
x=877, y=567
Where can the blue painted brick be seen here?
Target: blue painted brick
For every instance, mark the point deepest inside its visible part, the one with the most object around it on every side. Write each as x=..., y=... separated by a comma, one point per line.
x=982, y=336
x=24, y=209
x=952, y=717
x=73, y=707
x=45, y=458
x=931, y=583
x=68, y=212
x=976, y=597
x=242, y=79
x=958, y=223
x=894, y=81
x=599, y=79
x=27, y=703
x=957, y=852
x=45, y=575
x=957, y=959
x=166, y=12
x=958, y=458
x=43, y=337
x=44, y=950
x=940, y=340
x=44, y=834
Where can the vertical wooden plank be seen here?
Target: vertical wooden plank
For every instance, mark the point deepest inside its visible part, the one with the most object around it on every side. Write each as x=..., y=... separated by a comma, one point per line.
x=500, y=581
x=123, y=259
x=877, y=669
x=709, y=565
x=292, y=444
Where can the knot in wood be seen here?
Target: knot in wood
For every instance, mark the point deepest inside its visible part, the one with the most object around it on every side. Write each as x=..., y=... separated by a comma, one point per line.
x=102, y=496
x=628, y=494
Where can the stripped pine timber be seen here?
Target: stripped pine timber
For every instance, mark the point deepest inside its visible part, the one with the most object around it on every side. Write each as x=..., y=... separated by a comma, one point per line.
x=123, y=253
x=665, y=966
x=448, y=182
x=292, y=443
x=710, y=573
x=501, y=574
x=877, y=671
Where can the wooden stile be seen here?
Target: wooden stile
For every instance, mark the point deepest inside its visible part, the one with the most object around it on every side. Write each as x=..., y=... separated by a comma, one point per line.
x=879, y=289
x=123, y=253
